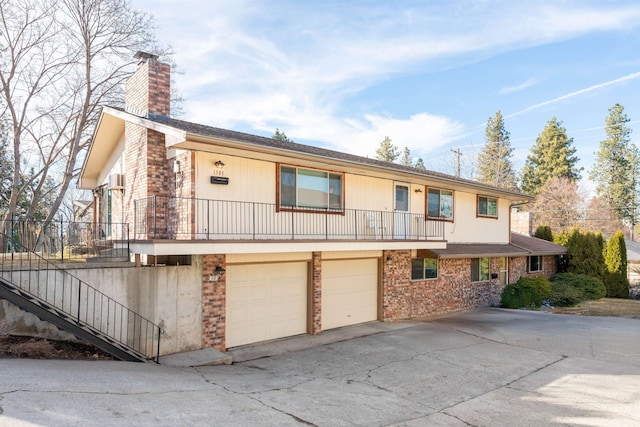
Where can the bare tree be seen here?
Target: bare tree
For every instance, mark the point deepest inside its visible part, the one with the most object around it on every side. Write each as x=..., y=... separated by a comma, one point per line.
x=602, y=217
x=59, y=62
x=559, y=204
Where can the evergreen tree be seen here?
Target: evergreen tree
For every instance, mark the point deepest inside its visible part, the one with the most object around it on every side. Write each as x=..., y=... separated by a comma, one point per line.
x=552, y=156
x=387, y=152
x=406, y=159
x=544, y=232
x=494, y=161
x=616, y=280
x=420, y=164
x=280, y=136
x=585, y=252
x=616, y=166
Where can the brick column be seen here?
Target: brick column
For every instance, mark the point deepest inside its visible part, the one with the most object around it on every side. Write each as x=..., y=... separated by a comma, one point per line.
x=316, y=294
x=396, y=285
x=213, y=303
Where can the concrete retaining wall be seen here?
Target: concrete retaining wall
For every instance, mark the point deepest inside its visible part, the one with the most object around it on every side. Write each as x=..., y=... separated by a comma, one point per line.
x=169, y=296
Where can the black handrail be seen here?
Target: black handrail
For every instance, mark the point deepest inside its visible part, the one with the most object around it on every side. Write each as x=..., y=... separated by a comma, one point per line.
x=89, y=307
x=159, y=217
x=64, y=240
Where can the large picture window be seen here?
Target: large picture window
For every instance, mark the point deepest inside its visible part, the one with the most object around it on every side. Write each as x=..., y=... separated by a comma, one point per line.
x=310, y=189
x=479, y=269
x=487, y=206
x=440, y=204
x=424, y=268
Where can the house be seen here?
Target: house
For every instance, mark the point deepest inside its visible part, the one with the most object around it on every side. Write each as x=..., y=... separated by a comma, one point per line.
x=285, y=238
x=633, y=266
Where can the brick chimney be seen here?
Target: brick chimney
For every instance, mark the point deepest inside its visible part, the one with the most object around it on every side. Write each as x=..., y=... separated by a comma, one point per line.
x=522, y=222
x=147, y=168
x=148, y=91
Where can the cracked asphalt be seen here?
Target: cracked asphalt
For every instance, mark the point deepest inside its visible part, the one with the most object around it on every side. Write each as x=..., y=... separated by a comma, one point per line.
x=485, y=367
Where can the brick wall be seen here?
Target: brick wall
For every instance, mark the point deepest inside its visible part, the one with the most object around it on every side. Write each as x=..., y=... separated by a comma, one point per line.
x=518, y=267
x=451, y=291
x=522, y=222
x=149, y=89
x=147, y=168
x=316, y=294
x=213, y=303
x=182, y=214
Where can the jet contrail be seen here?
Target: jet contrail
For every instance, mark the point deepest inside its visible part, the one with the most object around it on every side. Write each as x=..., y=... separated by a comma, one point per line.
x=578, y=92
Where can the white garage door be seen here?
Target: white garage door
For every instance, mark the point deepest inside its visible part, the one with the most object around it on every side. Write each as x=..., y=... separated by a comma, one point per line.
x=349, y=292
x=265, y=301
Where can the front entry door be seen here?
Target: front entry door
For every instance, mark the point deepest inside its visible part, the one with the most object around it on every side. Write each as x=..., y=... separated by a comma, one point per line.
x=401, y=212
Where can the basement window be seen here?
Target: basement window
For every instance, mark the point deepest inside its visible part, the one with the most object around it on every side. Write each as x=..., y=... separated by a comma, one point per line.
x=535, y=263
x=424, y=268
x=479, y=269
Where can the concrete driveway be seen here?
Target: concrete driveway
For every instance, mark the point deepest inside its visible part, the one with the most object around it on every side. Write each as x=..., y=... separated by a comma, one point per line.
x=486, y=367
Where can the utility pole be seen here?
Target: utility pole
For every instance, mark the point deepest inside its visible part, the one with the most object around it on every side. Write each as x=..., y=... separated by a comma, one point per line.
x=458, y=154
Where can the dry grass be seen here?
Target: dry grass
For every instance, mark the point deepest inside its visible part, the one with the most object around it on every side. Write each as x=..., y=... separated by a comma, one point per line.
x=605, y=307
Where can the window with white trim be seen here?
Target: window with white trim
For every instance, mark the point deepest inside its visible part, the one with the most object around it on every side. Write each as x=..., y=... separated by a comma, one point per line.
x=487, y=206
x=310, y=189
x=439, y=204
x=479, y=269
x=535, y=263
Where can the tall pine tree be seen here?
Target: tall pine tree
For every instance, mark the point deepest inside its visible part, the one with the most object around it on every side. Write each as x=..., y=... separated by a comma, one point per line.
x=552, y=156
x=387, y=151
x=616, y=166
x=406, y=158
x=280, y=136
x=494, y=161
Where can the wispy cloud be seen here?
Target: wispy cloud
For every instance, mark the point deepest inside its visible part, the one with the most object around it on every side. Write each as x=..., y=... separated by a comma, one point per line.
x=622, y=79
x=517, y=88
x=296, y=65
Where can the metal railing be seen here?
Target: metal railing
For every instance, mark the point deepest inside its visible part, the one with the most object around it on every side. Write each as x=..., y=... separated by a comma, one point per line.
x=86, y=305
x=159, y=217
x=64, y=240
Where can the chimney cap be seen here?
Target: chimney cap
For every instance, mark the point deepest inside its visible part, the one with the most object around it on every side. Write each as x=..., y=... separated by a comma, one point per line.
x=144, y=56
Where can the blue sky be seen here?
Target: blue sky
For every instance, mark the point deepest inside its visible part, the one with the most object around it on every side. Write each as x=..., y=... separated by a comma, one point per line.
x=428, y=74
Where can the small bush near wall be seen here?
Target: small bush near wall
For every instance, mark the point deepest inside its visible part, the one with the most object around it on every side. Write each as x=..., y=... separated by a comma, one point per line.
x=527, y=292
x=569, y=289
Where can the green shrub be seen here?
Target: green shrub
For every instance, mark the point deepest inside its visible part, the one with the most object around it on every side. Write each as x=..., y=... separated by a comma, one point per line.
x=527, y=292
x=585, y=250
x=544, y=232
x=617, y=285
x=564, y=295
x=569, y=289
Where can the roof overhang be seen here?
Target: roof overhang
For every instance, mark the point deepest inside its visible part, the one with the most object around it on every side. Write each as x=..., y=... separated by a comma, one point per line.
x=107, y=134
x=229, y=146
x=473, y=250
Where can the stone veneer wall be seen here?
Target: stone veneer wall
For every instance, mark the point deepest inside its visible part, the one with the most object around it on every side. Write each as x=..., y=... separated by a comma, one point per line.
x=213, y=303
x=451, y=291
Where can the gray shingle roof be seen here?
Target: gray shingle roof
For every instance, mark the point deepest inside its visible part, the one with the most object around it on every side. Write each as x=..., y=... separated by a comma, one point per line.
x=537, y=246
x=214, y=132
x=520, y=246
